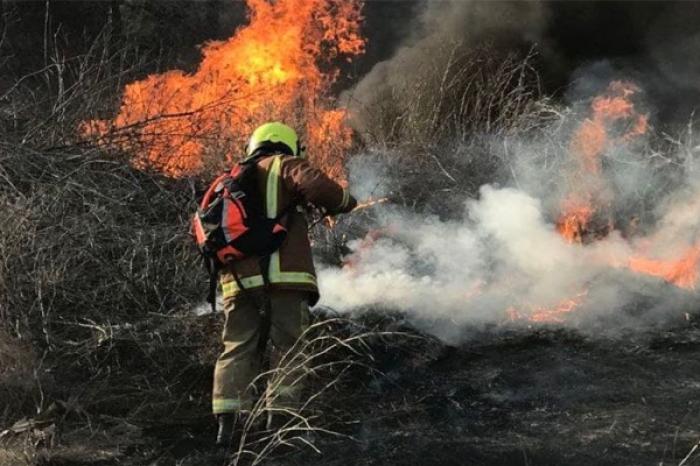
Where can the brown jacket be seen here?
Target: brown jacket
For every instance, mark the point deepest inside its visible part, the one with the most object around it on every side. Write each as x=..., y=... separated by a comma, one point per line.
x=288, y=183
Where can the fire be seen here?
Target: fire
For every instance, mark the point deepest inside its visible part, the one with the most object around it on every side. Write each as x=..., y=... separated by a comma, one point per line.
x=593, y=135
x=572, y=225
x=585, y=201
x=555, y=314
x=371, y=202
x=584, y=211
x=329, y=133
x=682, y=272
x=278, y=67
x=588, y=197
x=350, y=262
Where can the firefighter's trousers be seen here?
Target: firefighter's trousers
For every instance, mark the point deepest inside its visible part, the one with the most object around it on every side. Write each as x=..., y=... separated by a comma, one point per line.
x=240, y=362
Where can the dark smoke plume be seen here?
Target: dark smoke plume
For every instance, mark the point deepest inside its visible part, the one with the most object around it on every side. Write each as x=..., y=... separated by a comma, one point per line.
x=656, y=43
x=447, y=25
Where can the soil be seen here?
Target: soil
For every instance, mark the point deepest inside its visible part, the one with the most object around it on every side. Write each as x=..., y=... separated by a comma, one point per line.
x=510, y=397
x=543, y=398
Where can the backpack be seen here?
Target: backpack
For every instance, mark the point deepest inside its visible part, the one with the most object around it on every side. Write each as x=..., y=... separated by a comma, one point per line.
x=231, y=223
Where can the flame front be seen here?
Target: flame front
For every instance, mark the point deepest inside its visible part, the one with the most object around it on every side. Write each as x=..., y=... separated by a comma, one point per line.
x=542, y=314
x=588, y=198
x=281, y=67
x=585, y=209
x=278, y=67
x=682, y=272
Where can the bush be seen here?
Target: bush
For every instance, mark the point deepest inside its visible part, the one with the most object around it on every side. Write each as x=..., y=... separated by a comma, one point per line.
x=89, y=238
x=437, y=124
x=18, y=364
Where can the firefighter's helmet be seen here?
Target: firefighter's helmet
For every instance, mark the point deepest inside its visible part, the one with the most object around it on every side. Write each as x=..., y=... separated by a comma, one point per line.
x=274, y=137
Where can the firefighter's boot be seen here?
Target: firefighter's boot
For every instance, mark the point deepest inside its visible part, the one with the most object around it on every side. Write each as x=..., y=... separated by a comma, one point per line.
x=227, y=425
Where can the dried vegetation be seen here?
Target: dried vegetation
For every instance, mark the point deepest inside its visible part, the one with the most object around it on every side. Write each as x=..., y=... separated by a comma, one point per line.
x=102, y=360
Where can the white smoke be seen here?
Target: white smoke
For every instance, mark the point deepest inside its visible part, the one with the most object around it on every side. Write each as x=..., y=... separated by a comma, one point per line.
x=503, y=255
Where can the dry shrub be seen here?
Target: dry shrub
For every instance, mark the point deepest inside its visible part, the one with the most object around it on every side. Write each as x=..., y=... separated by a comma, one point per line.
x=43, y=109
x=88, y=242
x=96, y=267
x=17, y=360
x=90, y=248
x=89, y=238
x=18, y=366
x=86, y=236
x=435, y=126
x=463, y=91
x=330, y=355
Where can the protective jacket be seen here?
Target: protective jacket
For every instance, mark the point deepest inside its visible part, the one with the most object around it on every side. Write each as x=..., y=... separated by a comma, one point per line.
x=288, y=183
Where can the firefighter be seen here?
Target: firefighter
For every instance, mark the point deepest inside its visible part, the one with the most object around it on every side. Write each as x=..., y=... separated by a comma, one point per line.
x=288, y=183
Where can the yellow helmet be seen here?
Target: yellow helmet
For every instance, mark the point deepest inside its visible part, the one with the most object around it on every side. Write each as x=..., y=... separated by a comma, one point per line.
x=274, y=137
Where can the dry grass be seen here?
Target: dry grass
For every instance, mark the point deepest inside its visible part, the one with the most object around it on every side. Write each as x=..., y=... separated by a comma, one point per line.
x=96, y=262
x=18, y=371
x=89, y=237
x=89, y=247
x=322, y=362
x=460, y=93
x=436, y=127
x=42, y=109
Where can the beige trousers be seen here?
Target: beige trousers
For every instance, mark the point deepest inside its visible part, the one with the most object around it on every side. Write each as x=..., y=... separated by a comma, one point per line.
x=240, y=362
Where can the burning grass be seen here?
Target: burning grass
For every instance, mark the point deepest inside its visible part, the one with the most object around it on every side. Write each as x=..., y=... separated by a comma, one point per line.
x=279, y=66
x=97, y=274
x=614, y=189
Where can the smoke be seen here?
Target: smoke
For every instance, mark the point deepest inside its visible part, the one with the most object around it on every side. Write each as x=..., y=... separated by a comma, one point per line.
x=442, y=26
x=506, y=256
x=502, y=260
x=655, y=42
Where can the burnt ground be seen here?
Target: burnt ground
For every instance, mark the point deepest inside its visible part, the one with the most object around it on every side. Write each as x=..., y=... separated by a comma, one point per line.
x=510, y=397
x=540, y=398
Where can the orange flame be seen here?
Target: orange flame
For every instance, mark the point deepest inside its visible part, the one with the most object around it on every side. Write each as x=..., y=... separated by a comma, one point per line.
x=588, y=189
x=371, y=202
x=351, y=261
x=592, y=137
x=278, y=67
x=584, y=201
x=556, y=314
x=682, y=272
x=572, y=225
x=559, y=312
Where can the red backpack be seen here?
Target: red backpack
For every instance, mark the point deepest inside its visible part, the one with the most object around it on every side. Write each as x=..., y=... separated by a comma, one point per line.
x=231, y=222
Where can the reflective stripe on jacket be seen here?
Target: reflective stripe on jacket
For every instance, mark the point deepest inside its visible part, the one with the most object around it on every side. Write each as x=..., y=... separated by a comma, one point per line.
x=287, y=181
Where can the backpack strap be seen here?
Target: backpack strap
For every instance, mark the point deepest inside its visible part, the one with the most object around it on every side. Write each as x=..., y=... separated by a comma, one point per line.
x=213, y=189
x=213, y=271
